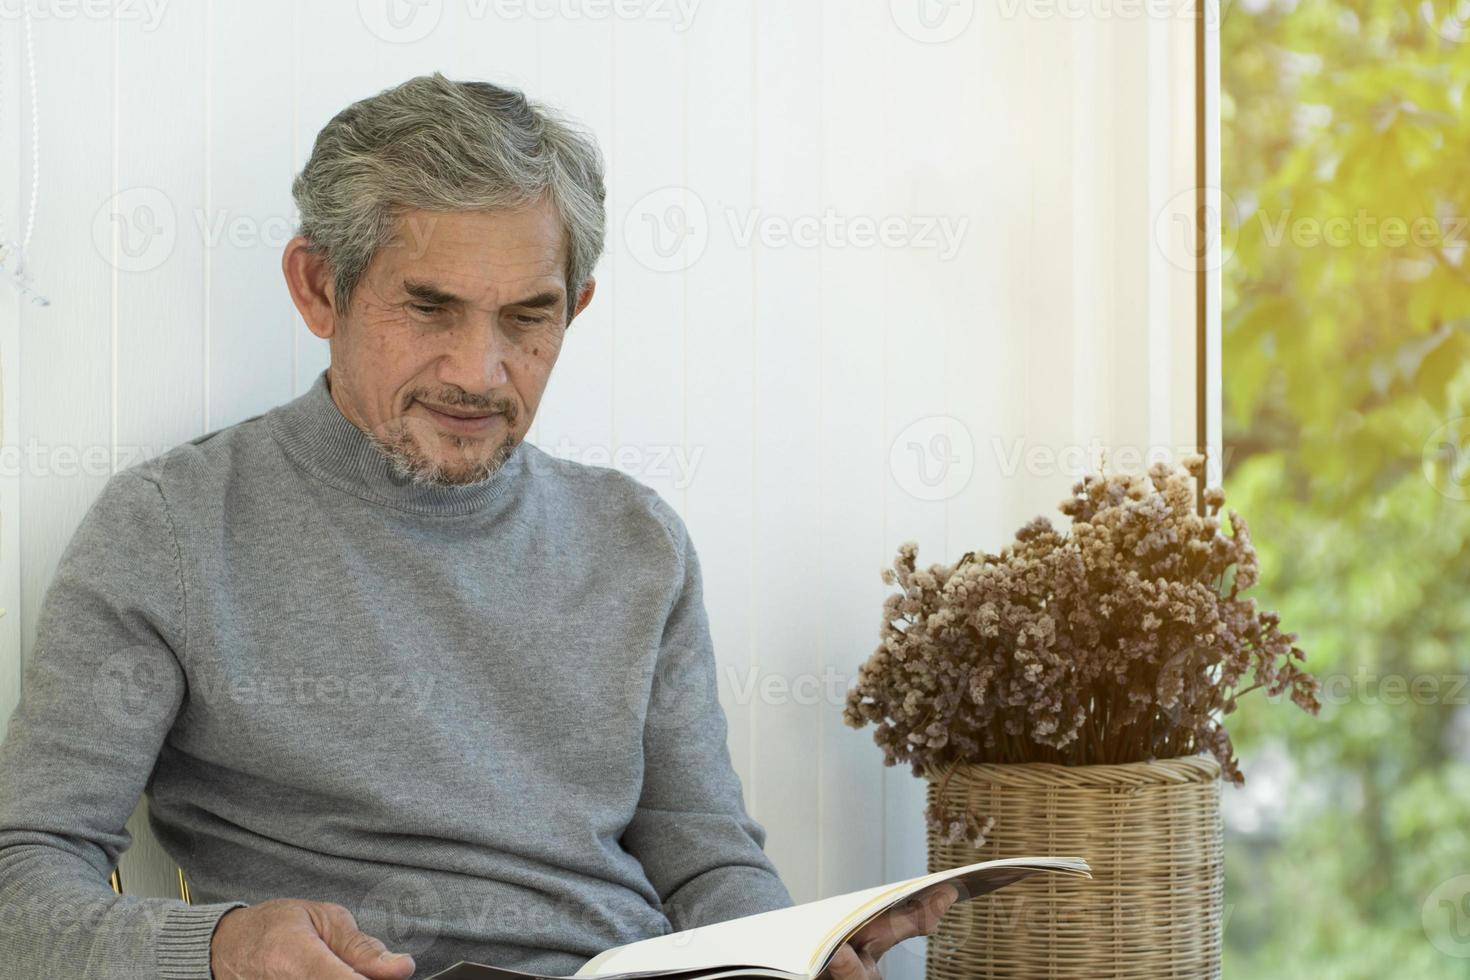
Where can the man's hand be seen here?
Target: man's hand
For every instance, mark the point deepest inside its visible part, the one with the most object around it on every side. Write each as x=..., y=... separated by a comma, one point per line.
x=287, y=939
x=857, y=959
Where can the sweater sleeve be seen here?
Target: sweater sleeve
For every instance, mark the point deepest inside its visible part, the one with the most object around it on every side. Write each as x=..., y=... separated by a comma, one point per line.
x=701, y=850
x=99, y=694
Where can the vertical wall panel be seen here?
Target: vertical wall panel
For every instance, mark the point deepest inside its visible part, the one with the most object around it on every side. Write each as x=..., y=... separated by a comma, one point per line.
x=647, y=163
x=250, y=325
x=787, y=479
x=12, y=217
x=65, y=353
x=848, y=592
x=721, y=383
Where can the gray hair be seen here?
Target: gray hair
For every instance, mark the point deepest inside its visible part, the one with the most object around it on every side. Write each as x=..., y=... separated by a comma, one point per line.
x=440, y=145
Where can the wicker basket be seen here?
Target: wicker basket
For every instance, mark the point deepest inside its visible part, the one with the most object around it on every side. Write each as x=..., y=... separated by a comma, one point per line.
x=1151, y=832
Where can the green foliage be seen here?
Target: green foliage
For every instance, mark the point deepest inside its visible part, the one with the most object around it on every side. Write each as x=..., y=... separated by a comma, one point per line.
x=1346, y=139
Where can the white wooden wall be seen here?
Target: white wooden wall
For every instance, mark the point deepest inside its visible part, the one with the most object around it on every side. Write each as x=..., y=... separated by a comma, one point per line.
x=833, y=399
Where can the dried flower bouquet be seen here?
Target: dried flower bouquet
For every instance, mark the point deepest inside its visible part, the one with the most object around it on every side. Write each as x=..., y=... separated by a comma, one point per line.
x=1125, y=639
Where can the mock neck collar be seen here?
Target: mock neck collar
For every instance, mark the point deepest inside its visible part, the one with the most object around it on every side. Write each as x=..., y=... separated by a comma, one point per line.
x=315, y=433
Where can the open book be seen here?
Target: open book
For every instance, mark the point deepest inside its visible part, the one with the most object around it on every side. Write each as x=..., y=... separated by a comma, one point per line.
x=789, y=944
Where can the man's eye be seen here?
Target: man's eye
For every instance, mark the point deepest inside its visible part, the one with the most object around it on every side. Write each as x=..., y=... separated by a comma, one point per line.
x=526, y=318
x=426, y=308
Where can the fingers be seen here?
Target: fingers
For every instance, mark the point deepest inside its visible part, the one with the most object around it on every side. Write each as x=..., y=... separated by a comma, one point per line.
x=286, y=937
x=918, y=917
x=848, y=964
x=937, y=904
x=363, y=953
x=319, y=963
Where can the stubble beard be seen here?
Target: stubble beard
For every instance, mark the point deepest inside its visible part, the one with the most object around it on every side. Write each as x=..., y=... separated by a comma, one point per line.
x=410, y=464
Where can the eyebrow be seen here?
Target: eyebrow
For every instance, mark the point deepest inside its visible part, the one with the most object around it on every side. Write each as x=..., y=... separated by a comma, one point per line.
x=427, y=292
x=430, y=293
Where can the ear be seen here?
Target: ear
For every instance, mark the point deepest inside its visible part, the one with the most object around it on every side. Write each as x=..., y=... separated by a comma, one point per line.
x=309, y=280
x=583, y=298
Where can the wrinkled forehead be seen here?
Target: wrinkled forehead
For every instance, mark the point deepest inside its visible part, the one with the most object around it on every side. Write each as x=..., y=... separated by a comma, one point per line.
x=477, y=255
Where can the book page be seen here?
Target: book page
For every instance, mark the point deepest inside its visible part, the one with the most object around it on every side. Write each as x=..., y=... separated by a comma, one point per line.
x=799, y=940
x=782, y=939
x=972, y=881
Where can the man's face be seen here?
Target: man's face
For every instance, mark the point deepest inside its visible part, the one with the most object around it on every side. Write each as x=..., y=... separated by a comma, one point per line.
x=451, y=337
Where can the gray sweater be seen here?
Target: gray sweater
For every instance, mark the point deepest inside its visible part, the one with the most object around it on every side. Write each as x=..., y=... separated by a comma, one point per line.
x=483, y=718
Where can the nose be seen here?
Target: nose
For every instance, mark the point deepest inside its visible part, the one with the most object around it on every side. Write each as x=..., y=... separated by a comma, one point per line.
x=475, y=359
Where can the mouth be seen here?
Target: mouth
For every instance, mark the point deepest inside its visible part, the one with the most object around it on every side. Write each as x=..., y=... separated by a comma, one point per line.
x=456, y=419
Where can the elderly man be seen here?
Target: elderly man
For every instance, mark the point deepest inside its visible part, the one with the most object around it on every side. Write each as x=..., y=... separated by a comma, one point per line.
x=387, y=672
